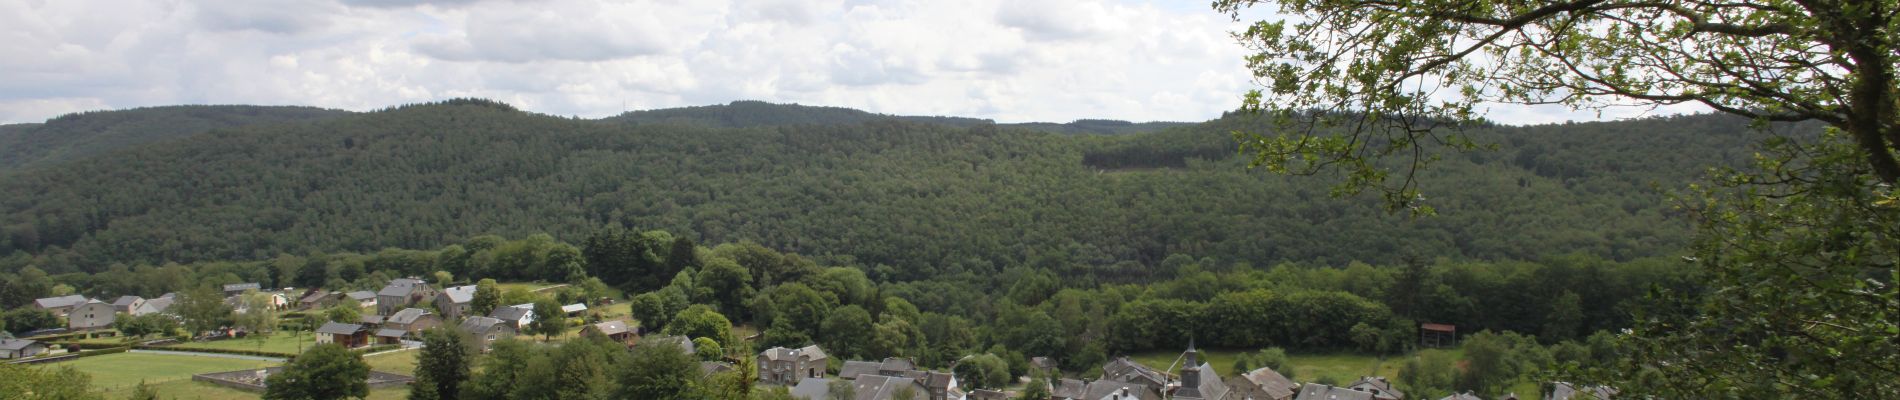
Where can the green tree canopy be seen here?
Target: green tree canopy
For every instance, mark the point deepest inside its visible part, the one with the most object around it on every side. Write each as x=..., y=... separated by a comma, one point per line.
x=326, y=371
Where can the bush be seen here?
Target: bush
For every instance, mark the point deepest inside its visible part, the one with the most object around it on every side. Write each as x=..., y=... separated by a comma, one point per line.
x=221, y=351
x=101, y=352
x=377, y=348
x=89, y=345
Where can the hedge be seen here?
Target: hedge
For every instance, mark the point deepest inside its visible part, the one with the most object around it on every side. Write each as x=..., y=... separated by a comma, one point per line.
x=377, y=348
x=114, y=350
x=220, y=351
x=88, y=346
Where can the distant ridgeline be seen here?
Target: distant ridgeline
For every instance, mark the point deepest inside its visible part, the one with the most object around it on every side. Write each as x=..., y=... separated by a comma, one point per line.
x=917, y=197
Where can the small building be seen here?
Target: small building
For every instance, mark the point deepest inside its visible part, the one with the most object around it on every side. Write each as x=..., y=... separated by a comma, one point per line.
x=370, y=321
x=685, y=345
x=60, y=306
x=783, y=366
x=879, y=387
x=487, y=330
x=1068, y=389
x=402, y=293
x=318, y=298
x=94, y=314
x=348, y=335
x=1314, y=391
x=127, y=304
x=1568, y=391
x=1107, y=389
x=454, y=302
x=986, y=394
x=1437, y=335
x=1263, y=384
x=518, y=316
x=1380, y=388
x=574, y=310
x=616, y=330
x=234, y=289
x=363, y=298
x=412, y=320
x=20, y=348
x=1121, y=369
x=154, y=306
x=389, y=336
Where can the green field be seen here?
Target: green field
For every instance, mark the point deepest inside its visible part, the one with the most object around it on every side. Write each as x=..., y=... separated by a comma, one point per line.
x=401, y=362
x=281, y=342
x=187, y=389
x=118, y=373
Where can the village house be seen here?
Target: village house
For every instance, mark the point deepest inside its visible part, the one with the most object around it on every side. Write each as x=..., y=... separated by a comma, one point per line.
x=412, y=320
x=783, y=366
x=234, y=289
x=517, y=316
x=317, y=299
x=487, y=330
x=1067, y=389
x=348, y=335
x=616, y=330
x=1462, y=396
x=363, y=298
x=94, y=314
x=154, y=306
x=402, y=293
x=454, y=302
x=1568, y=391
x=938, y=385
x=986, y=394
x=20, y=348
x=1314, y=391
x=1263, y=384
x=127, y=304
x=59, y=306
x=1124, y=370
x=1380, y=388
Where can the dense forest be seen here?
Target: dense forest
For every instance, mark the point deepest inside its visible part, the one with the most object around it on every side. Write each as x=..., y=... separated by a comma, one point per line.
x=76, y=136
x=907, y=200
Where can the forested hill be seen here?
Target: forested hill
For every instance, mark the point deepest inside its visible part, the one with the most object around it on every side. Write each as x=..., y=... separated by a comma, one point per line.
x=921, y=198
x=80, y=135
x=751, y=114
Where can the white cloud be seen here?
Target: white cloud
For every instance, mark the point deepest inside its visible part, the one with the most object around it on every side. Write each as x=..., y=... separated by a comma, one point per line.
x=1054, y=60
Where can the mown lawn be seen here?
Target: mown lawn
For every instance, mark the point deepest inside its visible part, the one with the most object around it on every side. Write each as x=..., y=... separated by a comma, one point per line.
x=187, y=389
x=116, y=374
x=401, y=362
x=280, y=342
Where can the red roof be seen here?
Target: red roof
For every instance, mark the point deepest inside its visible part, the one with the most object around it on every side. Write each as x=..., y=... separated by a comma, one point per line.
x=1437, y=327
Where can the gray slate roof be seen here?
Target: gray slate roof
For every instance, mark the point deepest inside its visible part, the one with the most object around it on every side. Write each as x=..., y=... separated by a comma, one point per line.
x=812, y=389
x=15, y=344
x=573, y=308
x=338, y=328
x=362, y=296
x=1379, y=387
x=239, y=287
x=372, y=319
x=1105, y=388
x=1210, y=386
x=1314, y=391
x=681, y=341
x=879, y=387
x=407, y=316
x=460, y=294
x=512, y=313
x=1066, y=388
x=386, y=332
x=613, y=327
x=60, y=302
x=481, y=325
x=811, y=352
x=1462, y=396
x=853, y=369
x=1270, y=382
x=126, y=301
x=399, y=287
x=158, y=305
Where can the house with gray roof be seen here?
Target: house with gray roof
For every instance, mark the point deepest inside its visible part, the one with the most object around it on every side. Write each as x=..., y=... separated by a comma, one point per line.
x=879, y=387
x=93, y=314
x=402, y=293
x=518, y=316
x=574, y=310
x=125, y=304
x=1263, y=384
x=61, y=305
x=685, y=345
x=813, y=389
x=487, y=330
x=1462, y=396
x=1107, y=389
x=412, y=320
x=348, y=335
x=1122, y=369
x=1380, y=388
x=783, y=366
x=363, y=298
x=154, y=306
x=20, y=348
x=454, y=302
x=1068, y=389
x=1568, y=391
x=318, y=298
x=1314, y=391
x=616, y=330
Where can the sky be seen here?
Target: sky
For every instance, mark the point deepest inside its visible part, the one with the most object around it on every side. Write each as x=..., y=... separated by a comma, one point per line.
x=1011, y=61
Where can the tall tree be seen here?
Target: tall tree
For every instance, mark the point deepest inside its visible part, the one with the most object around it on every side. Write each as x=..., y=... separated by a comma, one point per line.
x=203, y=309
x=549, y=321
x=442, y=367
x=659, y=370
x=327, y=371
x=1397, y=75
x=487, y=297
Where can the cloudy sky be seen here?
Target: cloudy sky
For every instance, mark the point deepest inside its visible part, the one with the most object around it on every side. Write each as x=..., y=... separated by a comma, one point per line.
x=1012, y=61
